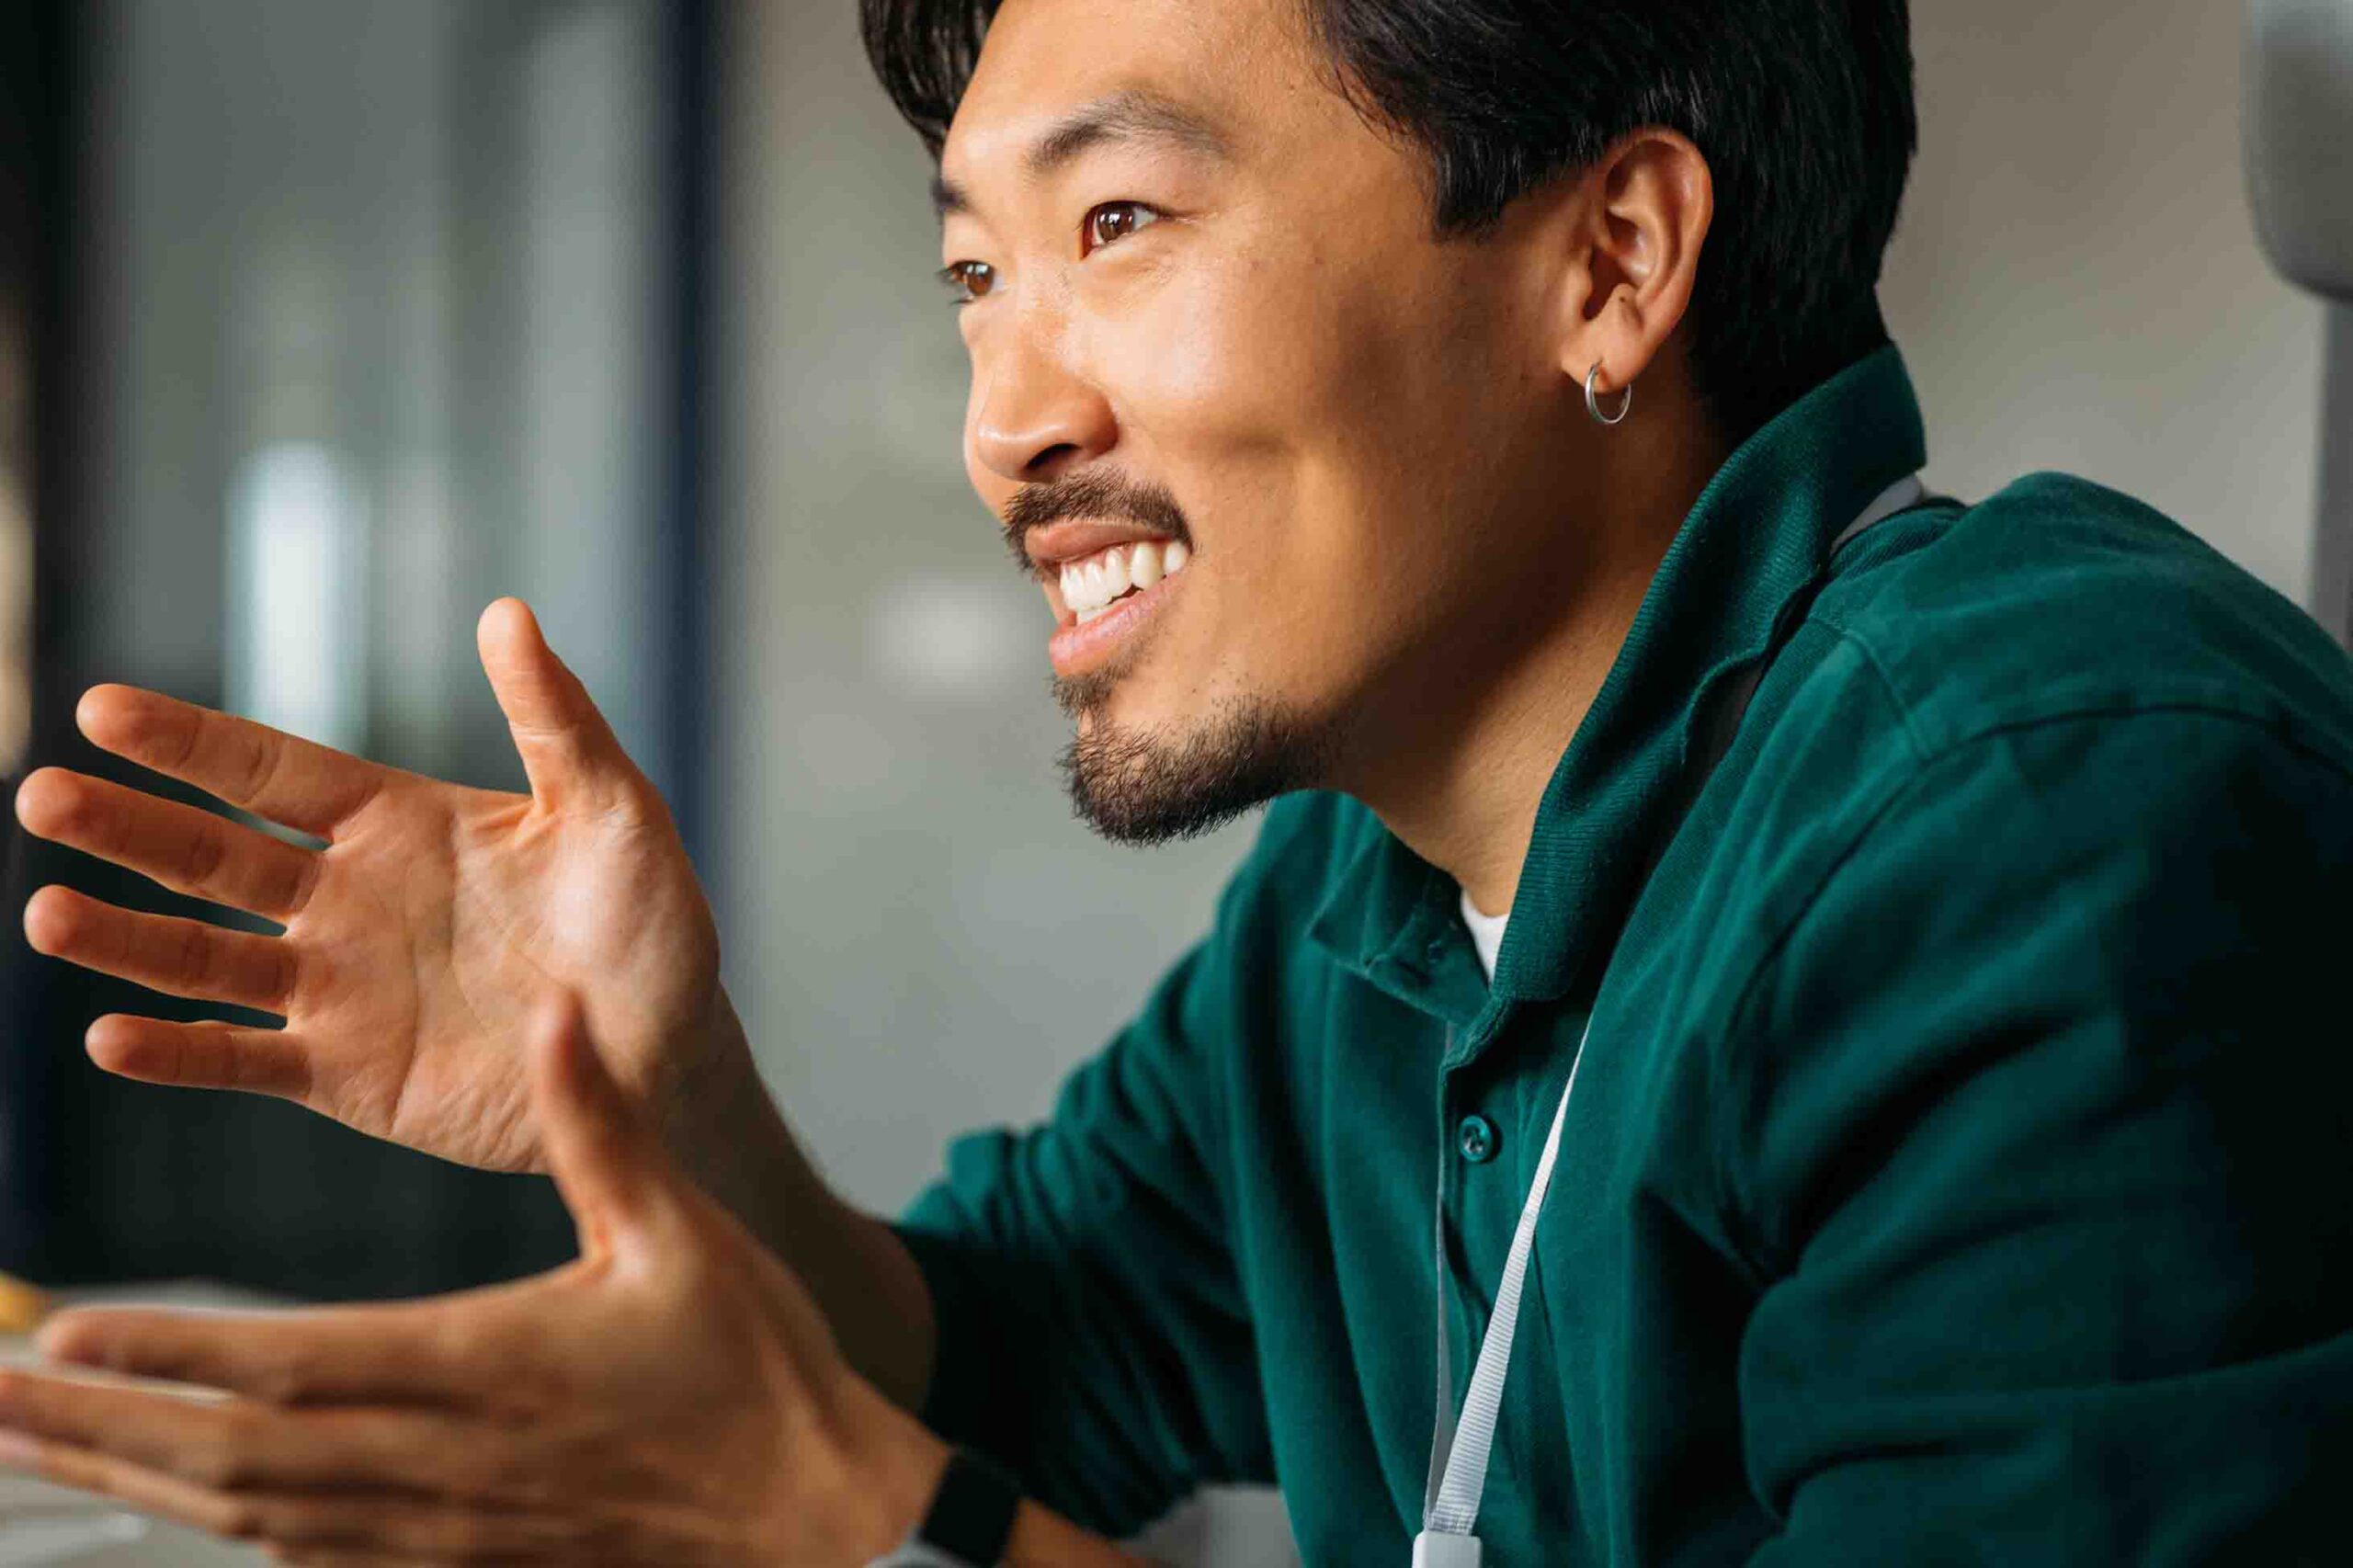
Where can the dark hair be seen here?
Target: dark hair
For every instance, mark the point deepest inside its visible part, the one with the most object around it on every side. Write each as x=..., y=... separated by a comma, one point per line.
x=1803, y=109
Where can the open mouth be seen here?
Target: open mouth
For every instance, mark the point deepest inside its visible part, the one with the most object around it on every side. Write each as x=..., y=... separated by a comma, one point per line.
x=1103, y=598
x=1092, y=584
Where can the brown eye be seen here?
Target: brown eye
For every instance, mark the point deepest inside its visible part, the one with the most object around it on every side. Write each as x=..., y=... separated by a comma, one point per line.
x=1115, y=221
x=970, y=280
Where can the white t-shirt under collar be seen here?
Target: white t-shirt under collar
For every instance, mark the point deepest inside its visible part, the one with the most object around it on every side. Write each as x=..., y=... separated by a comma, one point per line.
x=1486, y=933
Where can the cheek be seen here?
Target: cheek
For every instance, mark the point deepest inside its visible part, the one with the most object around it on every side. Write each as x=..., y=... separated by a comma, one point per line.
x=1315, y=421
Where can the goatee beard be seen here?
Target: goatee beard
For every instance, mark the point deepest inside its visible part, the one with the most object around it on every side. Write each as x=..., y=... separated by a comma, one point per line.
x=1154, y=787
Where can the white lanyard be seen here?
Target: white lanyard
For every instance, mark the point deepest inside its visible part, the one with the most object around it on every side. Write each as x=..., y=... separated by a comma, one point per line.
x=1458, y=1478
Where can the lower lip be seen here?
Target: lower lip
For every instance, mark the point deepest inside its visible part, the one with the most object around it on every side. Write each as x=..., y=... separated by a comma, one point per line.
x=1077, y=648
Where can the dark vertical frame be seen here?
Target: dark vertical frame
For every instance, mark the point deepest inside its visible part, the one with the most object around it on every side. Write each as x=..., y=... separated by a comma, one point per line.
x=44, y=82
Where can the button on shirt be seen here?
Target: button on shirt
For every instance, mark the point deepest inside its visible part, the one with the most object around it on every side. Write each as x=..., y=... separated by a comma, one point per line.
x=1477, y=1138
x=1956, y=1171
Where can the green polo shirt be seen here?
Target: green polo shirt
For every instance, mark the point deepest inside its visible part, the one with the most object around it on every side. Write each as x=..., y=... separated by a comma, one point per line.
x=1961, y=1169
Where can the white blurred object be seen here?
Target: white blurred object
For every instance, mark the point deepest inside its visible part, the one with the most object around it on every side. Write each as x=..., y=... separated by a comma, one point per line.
x=2298, y=120
x=2297, y=115
x=955, y=637
x=297, y=568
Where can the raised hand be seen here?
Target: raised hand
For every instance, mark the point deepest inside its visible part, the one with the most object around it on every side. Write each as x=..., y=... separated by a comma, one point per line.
x=416, y=940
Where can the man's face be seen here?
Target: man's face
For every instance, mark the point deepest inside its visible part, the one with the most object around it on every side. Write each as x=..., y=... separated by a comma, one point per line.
x=1213, y=338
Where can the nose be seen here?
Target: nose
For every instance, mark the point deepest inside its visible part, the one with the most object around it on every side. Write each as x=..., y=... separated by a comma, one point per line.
x=1034, y=418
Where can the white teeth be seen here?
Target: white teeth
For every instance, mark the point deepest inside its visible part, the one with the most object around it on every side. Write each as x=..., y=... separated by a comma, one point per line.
x=1090, y=586
x=1144, y=564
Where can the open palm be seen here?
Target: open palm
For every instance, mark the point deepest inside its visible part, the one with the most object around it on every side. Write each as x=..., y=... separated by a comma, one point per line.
x=415, y=943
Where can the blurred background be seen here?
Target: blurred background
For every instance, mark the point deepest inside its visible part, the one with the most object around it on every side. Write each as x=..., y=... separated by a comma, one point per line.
x=325, y=321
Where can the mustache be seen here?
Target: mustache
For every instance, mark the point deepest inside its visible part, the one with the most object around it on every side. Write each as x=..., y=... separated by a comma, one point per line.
x=1100, y=496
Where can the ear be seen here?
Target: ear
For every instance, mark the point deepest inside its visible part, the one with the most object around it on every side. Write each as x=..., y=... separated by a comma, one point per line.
x=1648, y=205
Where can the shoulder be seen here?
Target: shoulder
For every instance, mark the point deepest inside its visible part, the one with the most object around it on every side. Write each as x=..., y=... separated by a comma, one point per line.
x=2058, y=722
x=2061, y=599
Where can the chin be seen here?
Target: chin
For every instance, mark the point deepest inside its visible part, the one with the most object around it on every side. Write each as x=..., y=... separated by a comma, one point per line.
x=1137, y=782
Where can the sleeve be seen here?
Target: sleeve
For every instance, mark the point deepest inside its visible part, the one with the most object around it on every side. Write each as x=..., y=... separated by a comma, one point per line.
x=2044, y=1135
x=1092, y=1332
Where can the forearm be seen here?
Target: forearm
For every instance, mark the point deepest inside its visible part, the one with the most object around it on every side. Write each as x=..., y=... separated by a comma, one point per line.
x=726, y=1128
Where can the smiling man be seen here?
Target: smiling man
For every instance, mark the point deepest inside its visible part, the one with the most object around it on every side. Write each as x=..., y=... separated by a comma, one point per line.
x=1777, y=1018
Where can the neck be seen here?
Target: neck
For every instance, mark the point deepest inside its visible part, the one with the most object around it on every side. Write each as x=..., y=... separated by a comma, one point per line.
x=1483, y=727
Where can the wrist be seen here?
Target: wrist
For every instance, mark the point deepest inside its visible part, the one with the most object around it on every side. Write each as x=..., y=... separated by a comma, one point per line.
x=710, y=1066
x=901, y=1478
x=888, y=1466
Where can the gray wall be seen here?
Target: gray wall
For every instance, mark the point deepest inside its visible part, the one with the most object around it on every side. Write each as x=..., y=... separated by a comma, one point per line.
x=2076, y=282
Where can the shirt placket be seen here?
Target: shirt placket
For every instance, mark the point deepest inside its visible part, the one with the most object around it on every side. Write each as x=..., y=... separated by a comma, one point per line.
x=1470, y=1140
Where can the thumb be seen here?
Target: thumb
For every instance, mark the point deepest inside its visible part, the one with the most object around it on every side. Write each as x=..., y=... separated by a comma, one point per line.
x=610, y=1168
x=566, y=743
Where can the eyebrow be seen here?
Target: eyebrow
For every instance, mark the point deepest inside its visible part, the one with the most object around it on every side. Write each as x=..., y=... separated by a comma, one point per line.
x=1132, y=115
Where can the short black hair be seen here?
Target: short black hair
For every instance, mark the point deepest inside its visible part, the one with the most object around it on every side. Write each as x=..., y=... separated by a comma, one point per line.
x=1803, y=109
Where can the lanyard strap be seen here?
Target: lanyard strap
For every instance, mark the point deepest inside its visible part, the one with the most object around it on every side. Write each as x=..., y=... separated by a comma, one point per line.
x=1459, y=1455
x=1459, y=1452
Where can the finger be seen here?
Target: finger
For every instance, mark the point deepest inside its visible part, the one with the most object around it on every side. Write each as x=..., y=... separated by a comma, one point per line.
x=607, y=1163
x=378, y=1524
x=162, y=952
x=268, y=773
x=201, y=1055
x=566, y=746
x=165, y=1497
x=237, y=1446
x=466, y=1353
x=184, y=849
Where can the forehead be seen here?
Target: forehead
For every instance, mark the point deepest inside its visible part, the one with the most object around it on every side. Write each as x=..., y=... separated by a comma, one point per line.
x=1240, y=66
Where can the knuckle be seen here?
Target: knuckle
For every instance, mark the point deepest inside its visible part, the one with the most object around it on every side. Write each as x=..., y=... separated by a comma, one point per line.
x=239, y=1519
x=208, y=849
x=280, y=1383
x=224, y=1468
x=228, y=1461
x=187, y=736
x=195, y=960
x=260, y=772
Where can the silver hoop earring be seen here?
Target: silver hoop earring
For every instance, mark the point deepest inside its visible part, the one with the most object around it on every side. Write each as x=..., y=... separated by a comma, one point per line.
x=1593, y=405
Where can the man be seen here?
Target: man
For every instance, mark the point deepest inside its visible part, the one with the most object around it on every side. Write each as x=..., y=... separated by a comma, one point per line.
x=1900, y=1121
